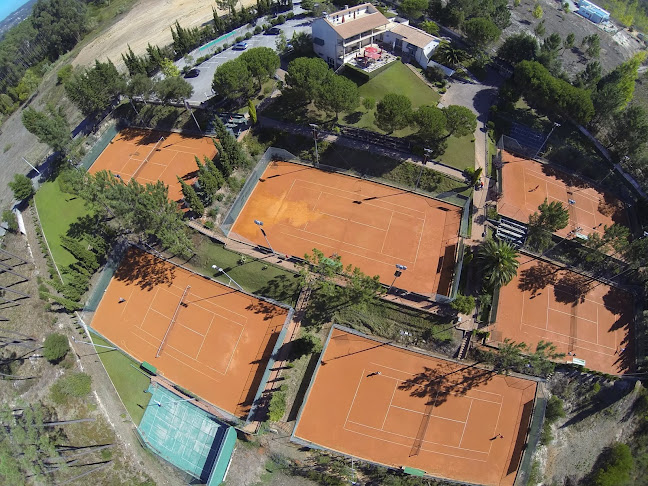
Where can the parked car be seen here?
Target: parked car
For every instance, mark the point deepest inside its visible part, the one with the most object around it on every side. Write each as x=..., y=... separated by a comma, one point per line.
x=192, y=73
x=240, y=46
x=273, y=31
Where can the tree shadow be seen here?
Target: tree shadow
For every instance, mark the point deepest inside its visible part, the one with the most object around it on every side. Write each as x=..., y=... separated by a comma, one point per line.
x=613, y=208
x=145, y=270
x=537, y=277
x=564, y=177
x=268, y=310
x=353, y=118
x=282, y=288
x=572, y=288
x=600, y=401
x=437, y=384
x=87, y=224
x=620, y=304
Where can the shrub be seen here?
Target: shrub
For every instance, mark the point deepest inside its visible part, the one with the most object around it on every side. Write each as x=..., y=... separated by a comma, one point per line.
x=56, y=345
x=281, y=19
x=10, y=218
x=21, y=186
x=209, y=225
x=615, y=467
x=277, y=406
x=258, y=29
x=239, y=38
x=555, y=409
x=306, y=344
x=64, y=74
x=248, y=35
x=73, y=385
x=463, y=304
x=369, y=103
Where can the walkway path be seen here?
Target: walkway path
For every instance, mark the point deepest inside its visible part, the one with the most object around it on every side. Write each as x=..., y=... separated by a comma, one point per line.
x=478, y=97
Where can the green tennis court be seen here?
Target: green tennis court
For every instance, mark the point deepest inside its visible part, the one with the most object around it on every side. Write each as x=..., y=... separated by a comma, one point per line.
x=187, y=436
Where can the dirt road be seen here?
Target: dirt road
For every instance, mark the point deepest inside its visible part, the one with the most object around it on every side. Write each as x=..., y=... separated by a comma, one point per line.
x=149, y=21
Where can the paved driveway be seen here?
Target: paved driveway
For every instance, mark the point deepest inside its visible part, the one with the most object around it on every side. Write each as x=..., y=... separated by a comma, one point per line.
x=202, y=84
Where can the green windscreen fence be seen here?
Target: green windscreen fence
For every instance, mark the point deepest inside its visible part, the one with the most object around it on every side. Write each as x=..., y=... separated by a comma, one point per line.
x=104, y=140
x=97, y=292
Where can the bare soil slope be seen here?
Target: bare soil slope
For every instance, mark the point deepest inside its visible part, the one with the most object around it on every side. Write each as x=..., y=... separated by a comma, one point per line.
x=149, y=21
x=615, y=47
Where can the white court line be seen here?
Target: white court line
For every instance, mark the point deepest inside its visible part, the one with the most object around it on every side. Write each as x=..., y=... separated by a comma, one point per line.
x=545, y=177
x=354, y=396
x=205, y=338
x=209, y=300
x=418, y=247
x=569, y=314
x=431, y=414
x=390, y=404
x=409, y=438
x=354, y=196
x=382, y=248
x=466, y=423
x=578, y=340
x=346, y=251
x=351, y=220
x=150, y=306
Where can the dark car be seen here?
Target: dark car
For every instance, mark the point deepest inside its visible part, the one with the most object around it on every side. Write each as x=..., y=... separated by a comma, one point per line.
x=273, y=31
x=193, y=73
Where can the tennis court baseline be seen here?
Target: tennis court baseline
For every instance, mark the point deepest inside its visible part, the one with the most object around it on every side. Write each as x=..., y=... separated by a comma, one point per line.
x=206, y=337
x=526, y=184
x=589, y=321
x=151, y=155
x=371, y=226
x=396, y=407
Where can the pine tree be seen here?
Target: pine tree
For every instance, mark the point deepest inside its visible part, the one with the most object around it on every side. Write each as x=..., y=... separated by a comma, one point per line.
x=191, y=198
x=133, y=63
x=211, y=167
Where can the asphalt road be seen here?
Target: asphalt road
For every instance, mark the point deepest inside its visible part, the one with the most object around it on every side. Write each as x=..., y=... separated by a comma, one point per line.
x=202, y=84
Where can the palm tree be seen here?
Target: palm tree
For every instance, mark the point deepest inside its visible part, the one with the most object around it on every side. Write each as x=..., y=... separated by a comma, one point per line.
x=450, y=56
x=498, y=261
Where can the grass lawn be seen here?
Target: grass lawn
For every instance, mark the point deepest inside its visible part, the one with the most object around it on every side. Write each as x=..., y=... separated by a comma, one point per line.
x=129, y=381
x=256, y=276
x=57, y=212
x=460, y=153
x=398, y=78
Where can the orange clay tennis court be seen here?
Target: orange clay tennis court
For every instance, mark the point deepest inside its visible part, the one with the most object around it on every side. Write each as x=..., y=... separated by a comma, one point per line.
x=143, y=155
x=588, y=319
x=220, y=340
x=378, y=402
x=369, y=225
x=526, y=184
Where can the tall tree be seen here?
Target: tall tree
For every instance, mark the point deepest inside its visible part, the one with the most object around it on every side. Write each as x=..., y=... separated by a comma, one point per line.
x=628, y=132
x=460, y=121
x=481, y=32
x=450, y=56
x=414, y=8
x=431, y=122
x=95, y=89
x=498, y=262
x=233, y=80
x=615, y=90
x=393, y=112
x=173, y=88
x=262, y=62
x=304, y=78
x=60, y=24
x=518, y=47
x=338, y=94
x=50, y=127
x=191, y=198
x=549, y=218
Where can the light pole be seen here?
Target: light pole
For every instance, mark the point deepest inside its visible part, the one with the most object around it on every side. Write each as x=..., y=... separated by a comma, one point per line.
x=315, y=128
x=216, y=267
x=29, y=164
x=555, y=125
x=399, y=271
x=260, y=225
x=92, y=344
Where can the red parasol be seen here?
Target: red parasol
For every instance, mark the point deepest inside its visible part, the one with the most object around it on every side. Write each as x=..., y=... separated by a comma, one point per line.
x=371, y=49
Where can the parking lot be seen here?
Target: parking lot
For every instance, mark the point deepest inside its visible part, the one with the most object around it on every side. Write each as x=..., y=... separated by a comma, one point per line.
x=202, y=84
